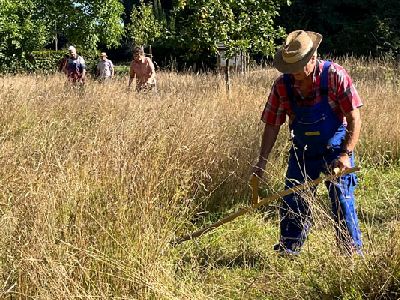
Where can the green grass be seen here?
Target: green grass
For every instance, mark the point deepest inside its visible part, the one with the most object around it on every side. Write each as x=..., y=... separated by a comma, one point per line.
x=238, y=258
x=96, y=183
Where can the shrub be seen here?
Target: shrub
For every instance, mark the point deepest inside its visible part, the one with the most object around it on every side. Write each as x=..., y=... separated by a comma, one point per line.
x=47, y=61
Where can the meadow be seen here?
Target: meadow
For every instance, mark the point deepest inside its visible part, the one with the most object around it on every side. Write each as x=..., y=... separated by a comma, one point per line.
x=96, y=183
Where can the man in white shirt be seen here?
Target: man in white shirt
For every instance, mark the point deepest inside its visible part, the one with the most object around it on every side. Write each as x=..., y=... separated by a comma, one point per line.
x=105, y=68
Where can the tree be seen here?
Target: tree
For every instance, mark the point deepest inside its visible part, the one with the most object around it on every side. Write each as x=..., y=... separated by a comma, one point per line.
x=128, y=7
x=349, y=26
x=147, y=24
x=85, y=23
x=20, y=33
x=239, y=24
x=28, y=25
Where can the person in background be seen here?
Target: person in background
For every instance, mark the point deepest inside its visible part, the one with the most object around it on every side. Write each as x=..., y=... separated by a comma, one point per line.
x=323, y=108
x=105, y=68
x=142, y=68
x=75, y=67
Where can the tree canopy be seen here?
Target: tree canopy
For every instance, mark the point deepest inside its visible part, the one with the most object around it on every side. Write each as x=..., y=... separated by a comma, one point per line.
x=28, y=25
x=238, y=24
x=192, y=27
x=147, y=23
x=20, y=31
x=352, y=27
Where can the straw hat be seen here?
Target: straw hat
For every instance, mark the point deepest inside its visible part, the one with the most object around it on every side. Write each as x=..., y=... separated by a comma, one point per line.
x=103, y=54
x=299, y=46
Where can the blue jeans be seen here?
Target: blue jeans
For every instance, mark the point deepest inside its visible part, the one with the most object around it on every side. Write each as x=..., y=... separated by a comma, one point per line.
x=295, y=214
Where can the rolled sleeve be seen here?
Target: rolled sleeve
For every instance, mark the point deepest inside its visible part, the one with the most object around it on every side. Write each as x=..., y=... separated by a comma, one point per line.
x=274, y=112
x=347, y=95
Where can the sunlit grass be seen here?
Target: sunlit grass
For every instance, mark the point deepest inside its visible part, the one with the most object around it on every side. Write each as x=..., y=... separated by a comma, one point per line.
x=95, y=183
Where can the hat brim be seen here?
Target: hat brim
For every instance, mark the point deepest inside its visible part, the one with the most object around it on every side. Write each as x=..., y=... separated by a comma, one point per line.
x=285, y=67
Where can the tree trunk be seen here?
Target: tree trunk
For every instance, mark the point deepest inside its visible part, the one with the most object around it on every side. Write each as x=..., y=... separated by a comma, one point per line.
x=56, y=42
x=55, y=37
x=227, y=76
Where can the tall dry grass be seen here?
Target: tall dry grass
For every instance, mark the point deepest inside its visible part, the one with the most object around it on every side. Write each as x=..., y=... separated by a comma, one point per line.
x=95, y=183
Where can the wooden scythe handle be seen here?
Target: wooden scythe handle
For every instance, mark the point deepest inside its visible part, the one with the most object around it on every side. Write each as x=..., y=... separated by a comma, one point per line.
x=255, y=183
x=264, y=201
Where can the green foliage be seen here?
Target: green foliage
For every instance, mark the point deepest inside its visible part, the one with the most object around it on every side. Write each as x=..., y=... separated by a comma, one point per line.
x=20, y=33
x=158, y=10
x=240, y=25
x=85, y=23
x=121, y=70
x=147, y=23
x=29, y=25
x=194, y=27
x=47, y=61
x=348, y=26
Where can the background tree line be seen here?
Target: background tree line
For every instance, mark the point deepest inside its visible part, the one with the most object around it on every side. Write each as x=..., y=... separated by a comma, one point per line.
x=354, y=27
x=189, y=30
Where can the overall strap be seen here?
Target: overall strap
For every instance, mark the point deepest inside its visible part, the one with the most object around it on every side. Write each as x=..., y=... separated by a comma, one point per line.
x=324, y=80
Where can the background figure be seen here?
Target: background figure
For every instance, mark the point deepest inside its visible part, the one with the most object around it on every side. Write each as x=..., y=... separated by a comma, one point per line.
x=142, y=68
x=105, y=68
x=75, y=67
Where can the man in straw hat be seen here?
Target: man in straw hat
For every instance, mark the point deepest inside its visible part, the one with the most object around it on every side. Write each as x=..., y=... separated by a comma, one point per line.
x=104, y=68
x=322, y=106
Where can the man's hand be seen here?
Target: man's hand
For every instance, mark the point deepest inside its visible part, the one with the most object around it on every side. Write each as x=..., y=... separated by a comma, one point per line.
x=259, y=168
x=342, y=162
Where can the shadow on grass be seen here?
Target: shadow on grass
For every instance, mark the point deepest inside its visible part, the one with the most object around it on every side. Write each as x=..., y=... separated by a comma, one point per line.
x=378, y=217
x=249, y=259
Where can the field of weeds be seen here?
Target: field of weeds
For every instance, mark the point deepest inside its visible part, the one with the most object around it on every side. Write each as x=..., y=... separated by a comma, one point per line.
x=95, y=183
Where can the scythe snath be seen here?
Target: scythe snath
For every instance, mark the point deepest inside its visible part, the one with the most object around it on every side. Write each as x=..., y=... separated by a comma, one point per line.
x=256, y=202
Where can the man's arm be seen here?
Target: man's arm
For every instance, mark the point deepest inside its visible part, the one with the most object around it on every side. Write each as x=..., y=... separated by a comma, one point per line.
x=352, y=135
x=112, y=69
x=268, y=140
x=83, y=74
x=132, y=75
x=152, y=71
x=83, y=66
x=65, y=67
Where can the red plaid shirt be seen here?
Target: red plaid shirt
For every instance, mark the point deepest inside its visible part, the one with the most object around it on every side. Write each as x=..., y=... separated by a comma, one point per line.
x=342, y=95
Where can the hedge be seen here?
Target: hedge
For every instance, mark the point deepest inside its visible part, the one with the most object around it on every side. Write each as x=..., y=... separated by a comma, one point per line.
x=47, y=61
x=121, y=70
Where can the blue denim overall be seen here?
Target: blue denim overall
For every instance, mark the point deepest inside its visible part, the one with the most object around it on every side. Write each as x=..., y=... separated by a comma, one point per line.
x=317, y=137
